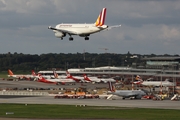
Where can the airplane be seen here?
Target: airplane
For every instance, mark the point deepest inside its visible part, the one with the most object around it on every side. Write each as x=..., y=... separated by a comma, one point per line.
x=83, y=30
x=55, y=75
x=42, y=79
x=92, y=79
x=55, y=81
x=136, y=94
x=165, y=83
x=20, y=77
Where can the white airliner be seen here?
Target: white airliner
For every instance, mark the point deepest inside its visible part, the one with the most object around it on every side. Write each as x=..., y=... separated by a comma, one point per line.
x=28, y=77
x=55, y=81
x=137, y=94
x=92, y=79
x=83, y=30
x=165, y=83
x=76, y=78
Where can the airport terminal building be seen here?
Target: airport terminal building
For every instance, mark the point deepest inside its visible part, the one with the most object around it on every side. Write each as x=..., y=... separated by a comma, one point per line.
x=168, y=63
x=154, y=66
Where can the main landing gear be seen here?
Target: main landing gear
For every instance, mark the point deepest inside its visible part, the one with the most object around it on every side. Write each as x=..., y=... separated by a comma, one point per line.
x=86, y=38
x=71, y=38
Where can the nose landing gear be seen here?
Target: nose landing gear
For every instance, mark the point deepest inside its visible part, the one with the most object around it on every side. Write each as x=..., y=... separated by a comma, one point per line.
x=86, y=38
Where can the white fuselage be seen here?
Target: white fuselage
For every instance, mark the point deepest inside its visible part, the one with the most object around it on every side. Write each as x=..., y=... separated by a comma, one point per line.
x=157, y=83
x=52, y=76
x=80, y=29
x=94, y=79
x=60, y=80
x=22, y=76
x=105, y=80
x=129, y=93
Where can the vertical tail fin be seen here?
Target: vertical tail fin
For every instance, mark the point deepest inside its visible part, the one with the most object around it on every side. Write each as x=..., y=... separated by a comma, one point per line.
x=111, y=87
x=33, y=73
x=55, y=74
x=71, y=77
x=101, y=18
x=41, y=78
x=138, y=80
x=86, y=78
x=10, y=72
x=68, y=74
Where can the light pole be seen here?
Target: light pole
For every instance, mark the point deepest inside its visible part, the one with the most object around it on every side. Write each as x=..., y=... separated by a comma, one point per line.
x=174, y=68
x=162, y=72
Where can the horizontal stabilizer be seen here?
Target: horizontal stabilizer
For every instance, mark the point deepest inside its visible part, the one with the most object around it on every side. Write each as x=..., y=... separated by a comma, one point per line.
x=114, y=26
x=52, y=28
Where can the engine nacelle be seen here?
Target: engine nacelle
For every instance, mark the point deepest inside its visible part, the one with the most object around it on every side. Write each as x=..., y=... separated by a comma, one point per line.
x=59, y=34
x=138, y=97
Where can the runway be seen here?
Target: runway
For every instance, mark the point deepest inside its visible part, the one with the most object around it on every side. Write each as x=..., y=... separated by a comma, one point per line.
x=165, y=104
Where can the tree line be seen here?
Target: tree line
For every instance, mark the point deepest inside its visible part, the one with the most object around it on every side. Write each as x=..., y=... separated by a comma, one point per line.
x=61, y=61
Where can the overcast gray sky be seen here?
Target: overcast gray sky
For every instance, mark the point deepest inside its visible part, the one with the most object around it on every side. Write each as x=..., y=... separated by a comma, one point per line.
x=148, y=26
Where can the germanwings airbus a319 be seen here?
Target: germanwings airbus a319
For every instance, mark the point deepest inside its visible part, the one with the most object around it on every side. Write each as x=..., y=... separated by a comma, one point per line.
x=83, y=30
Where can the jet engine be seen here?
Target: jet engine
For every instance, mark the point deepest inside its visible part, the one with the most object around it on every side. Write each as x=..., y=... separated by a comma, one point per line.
x=138, y=97
x=59, y=34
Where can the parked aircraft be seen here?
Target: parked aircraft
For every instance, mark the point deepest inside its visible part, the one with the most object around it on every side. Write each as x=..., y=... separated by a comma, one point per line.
x=11, y=74
x=136, y=94
x=42, y=79
x=92, y=79
x=55, y=81
x=165, y=83
x=83, y=30
x=76, y=78
x=55, y=75
x=158, y=83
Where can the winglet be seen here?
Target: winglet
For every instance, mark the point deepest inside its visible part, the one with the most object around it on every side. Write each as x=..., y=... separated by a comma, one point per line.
x=101, y=18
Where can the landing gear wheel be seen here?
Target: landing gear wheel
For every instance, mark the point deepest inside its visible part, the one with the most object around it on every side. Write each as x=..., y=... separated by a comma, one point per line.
x=70, y=38
x=86, y=38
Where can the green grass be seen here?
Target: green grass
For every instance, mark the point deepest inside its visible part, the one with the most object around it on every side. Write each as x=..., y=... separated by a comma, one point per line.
x=71, y=111
x=4, y=74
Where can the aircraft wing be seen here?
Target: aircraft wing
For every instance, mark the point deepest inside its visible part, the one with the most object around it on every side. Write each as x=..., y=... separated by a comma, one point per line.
x=132, y=94
x=63, y=31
